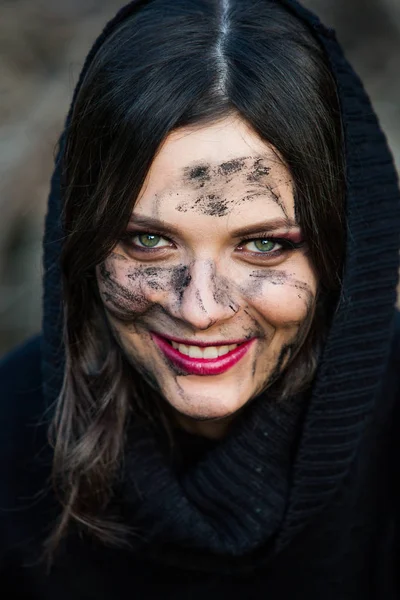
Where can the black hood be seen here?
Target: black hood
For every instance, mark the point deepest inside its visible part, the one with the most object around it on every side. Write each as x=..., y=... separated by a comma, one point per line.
x=351, y=368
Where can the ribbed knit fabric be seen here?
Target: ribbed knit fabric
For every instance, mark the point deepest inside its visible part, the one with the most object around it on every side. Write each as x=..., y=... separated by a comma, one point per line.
x=262, y=486
x=210, y=508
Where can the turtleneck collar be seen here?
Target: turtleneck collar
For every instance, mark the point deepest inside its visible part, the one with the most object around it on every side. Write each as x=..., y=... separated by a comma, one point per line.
x=227, y=504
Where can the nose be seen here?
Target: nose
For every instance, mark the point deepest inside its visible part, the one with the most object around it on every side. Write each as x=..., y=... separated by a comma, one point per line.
x=208, y=297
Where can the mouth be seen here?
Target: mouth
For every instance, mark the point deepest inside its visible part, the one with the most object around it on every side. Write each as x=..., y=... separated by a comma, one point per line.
x=203, y=359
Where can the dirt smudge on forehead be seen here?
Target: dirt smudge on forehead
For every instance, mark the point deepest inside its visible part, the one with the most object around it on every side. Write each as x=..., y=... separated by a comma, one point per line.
x=231, y=166
x=221, y=187
x=258, y=171
x=199, y=173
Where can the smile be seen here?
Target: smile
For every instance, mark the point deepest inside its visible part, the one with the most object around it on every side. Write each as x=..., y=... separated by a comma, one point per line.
x=202, y=359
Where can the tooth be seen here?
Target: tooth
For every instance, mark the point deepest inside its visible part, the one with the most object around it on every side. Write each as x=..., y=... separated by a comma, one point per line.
x=195, y=352
x=200, y=352
x=223, y=350
x=210, y=352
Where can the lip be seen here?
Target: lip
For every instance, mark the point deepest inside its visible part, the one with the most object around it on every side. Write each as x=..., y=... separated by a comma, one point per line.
x=203, y=366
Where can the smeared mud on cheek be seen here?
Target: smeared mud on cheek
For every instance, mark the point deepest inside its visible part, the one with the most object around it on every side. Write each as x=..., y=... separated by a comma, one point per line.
x=132, y=291
x=257, y=288
x=133, y=308
x=132, y=357
x=152, y=277
x=170, y=280
x=145, y=372
x=122, y=301
x=290, y=349
x=259, y=277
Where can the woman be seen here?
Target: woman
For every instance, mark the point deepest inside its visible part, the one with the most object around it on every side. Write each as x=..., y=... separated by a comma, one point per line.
x=218, y=368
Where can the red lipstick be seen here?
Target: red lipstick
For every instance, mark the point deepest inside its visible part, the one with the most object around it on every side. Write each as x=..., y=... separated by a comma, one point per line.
x=203, y=366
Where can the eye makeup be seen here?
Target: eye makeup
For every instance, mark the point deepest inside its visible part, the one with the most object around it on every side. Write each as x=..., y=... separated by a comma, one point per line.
x=286, y=245
x=288, y=241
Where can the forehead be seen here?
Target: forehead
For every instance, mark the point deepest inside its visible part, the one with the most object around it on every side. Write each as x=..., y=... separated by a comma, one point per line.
x=218, y=170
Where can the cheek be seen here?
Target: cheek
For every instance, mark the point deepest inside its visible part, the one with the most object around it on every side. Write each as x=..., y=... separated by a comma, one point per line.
x=122, y=296
x=127, y=289
x=283, y=303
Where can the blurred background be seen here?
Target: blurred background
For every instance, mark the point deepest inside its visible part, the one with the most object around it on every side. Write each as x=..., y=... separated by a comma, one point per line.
x=42, y=47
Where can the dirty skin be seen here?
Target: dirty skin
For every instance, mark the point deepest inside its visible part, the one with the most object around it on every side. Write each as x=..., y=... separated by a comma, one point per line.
x=132, y=305
x=133, y=300
x=277, y=277
x=281, y=277
x=216, y=185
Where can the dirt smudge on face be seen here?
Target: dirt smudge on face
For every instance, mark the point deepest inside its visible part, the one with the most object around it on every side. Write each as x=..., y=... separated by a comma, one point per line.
x=200, y=301
x=180, y=279
x=218, y=185
x=198, y=174
x=222, y=288
x=231, y=166
x=277, y=277
x=260, y=276
x=212, y=205
x=292, y=347
x=258, y=171
x=122, y=301
x=129, y=301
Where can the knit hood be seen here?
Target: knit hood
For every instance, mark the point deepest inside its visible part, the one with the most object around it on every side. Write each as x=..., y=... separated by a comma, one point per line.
x=226, y=507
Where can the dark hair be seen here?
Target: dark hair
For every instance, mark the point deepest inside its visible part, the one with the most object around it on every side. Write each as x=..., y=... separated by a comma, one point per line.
x=168, y=65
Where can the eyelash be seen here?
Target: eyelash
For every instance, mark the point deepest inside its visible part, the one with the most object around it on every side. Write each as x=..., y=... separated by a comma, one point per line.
x=286, y=245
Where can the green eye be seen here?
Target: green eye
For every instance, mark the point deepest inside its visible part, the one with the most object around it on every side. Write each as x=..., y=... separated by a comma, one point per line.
x=264, y=245
x=149, y=240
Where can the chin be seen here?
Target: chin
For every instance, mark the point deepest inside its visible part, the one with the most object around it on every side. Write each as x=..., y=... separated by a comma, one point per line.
x=199, y=416
x=206, y=409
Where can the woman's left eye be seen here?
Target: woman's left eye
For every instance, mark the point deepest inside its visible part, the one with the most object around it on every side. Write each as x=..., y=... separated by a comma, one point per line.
x=262, y=245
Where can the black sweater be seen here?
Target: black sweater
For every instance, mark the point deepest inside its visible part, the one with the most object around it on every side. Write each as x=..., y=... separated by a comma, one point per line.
x=296, y=503
x=350, y=551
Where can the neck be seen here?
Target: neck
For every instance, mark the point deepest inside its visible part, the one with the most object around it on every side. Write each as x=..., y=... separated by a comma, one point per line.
x=214, y=429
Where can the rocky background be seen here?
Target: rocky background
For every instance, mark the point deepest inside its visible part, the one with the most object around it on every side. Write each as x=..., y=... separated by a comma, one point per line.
x=42, y=47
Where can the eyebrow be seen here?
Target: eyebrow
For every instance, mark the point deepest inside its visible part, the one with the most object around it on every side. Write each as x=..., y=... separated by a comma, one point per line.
x=270, y=225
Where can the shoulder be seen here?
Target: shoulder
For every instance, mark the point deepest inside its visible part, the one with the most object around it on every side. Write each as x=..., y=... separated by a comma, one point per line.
x=25, y=456
x=21, y=363
x=21, y=394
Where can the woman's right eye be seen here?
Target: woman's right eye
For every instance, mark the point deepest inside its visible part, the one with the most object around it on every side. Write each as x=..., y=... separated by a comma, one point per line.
x=148, y=240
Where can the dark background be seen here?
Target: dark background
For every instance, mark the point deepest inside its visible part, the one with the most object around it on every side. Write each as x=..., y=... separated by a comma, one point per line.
x=42, y=47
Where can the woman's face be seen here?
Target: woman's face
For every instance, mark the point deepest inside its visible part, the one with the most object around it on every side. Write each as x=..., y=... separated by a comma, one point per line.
x=211, y=292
